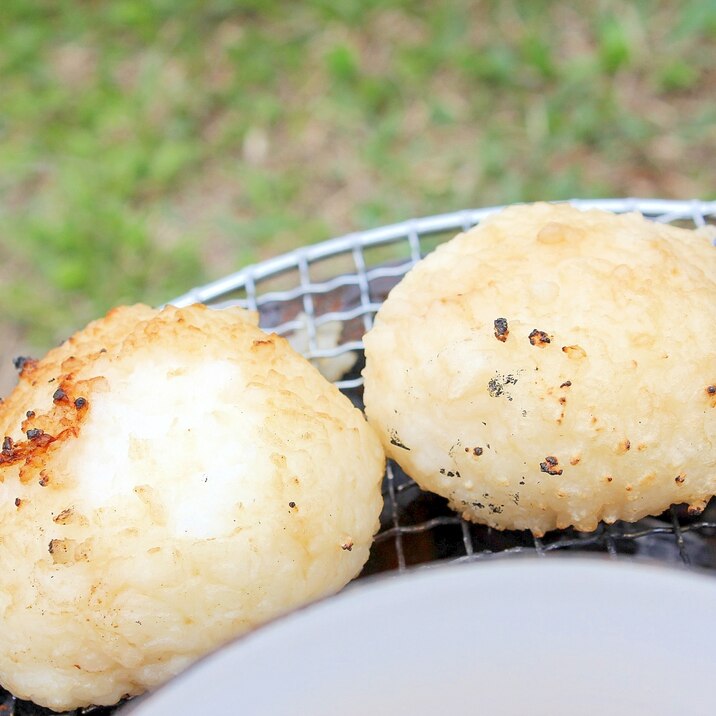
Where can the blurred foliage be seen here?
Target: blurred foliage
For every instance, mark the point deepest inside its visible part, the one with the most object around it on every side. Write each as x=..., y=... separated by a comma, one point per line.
x=148, y=145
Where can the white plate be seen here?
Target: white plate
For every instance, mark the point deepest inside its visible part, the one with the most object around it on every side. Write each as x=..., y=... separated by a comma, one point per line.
x=510, y=636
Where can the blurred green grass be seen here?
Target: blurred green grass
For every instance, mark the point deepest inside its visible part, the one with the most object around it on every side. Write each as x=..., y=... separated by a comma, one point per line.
x=146, y=147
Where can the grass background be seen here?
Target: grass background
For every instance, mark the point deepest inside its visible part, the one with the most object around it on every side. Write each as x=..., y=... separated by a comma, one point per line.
x=149, y=146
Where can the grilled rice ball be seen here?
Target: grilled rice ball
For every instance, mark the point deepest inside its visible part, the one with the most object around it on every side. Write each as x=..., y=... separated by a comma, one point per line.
x=553, y=367
x=170, y=479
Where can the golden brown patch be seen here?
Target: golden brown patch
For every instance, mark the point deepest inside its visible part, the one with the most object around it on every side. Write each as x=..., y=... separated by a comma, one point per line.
x=574, y=352
x=48, y=431
x=553, y=233
x=14, y=452
x=64, y=517
x=575, y=460
x=623, y=447
x=65, y=551
x=26, y=365
x=154, y=505
x=647, y=479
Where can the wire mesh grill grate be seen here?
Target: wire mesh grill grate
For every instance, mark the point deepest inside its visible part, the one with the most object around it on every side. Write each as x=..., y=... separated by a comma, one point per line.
x=324, y=297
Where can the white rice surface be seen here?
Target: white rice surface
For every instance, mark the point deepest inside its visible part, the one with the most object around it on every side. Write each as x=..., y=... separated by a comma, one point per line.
x=213, y=480
x=607, y=412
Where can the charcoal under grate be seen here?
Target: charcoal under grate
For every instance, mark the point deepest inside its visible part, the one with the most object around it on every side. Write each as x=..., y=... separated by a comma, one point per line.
x=323, y=299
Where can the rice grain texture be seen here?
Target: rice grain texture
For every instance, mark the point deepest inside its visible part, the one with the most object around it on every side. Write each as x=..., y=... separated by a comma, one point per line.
x=169, y=480
x=553, y=368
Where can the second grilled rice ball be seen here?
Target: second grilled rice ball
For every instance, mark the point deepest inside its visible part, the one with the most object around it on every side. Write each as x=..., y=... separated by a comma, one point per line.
x=553, y=367
x=180, y=477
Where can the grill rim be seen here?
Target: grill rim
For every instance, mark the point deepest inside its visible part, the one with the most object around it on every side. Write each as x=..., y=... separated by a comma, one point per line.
x=662, y=210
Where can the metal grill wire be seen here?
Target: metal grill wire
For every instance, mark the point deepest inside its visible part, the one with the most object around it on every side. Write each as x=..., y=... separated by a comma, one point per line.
x=302, y=303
